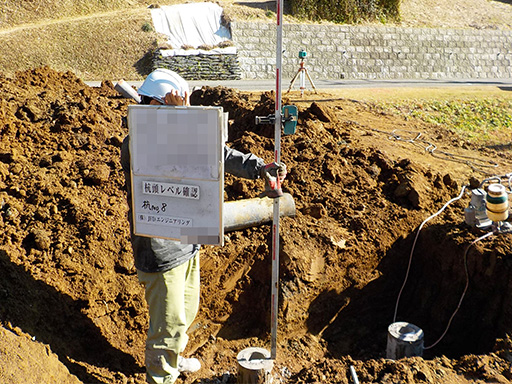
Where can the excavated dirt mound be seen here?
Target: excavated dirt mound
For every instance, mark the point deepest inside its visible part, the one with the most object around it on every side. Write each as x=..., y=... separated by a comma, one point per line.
x=73, y=311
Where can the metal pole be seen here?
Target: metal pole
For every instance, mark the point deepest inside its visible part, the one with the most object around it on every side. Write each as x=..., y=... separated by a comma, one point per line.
x=277, y=158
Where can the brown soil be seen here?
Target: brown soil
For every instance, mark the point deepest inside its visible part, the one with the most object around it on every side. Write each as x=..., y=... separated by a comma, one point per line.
x=73, y=311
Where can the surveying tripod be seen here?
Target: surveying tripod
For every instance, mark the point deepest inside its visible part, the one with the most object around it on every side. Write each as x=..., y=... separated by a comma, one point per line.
x=303, y=73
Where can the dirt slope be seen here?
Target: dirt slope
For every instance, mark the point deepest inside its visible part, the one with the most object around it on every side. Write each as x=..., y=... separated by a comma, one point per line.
x=73, y=311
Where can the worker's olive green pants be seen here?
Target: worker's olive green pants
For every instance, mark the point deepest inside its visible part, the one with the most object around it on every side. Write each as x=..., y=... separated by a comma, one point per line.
x=173, y=301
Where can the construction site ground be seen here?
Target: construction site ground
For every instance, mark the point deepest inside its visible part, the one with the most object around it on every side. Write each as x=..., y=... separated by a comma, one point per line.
x=73, y=311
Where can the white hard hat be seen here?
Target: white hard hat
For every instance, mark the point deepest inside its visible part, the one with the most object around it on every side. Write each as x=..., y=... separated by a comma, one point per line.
x=162, y=81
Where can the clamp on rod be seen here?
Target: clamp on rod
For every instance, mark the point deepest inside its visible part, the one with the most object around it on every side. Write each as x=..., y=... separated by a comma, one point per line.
x=289, y=119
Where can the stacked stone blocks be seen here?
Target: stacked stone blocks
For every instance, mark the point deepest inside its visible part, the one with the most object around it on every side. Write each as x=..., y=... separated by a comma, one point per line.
x=374, y=52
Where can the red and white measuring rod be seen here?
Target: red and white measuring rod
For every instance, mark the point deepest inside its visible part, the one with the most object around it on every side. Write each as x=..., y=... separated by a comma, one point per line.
x=277, y=159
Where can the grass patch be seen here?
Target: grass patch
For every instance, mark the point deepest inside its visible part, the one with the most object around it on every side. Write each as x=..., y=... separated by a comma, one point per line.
x=486, y=121
x=95, y=39
x=16, y=12
x=94, y=48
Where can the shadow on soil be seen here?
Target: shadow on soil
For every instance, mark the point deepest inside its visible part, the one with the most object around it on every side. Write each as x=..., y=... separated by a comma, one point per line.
x=430, y=297
x=501, y=147
x=55, y=319
x=144, y=65
x=250, y=315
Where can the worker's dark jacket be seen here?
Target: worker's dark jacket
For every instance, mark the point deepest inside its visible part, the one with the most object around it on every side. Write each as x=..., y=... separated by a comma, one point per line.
x=158, y=255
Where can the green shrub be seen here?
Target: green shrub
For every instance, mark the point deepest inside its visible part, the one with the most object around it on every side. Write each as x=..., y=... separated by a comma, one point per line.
x=147, y=27
x=346, y=11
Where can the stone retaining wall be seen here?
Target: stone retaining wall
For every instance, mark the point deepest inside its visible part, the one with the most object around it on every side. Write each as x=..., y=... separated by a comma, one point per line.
x=200, y=67
x=374, y=52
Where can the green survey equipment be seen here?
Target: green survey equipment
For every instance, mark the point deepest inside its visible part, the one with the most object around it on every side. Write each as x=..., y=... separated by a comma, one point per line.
x=289, y=117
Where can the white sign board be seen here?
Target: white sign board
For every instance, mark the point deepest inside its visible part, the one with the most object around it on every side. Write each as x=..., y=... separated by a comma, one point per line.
x=177, y=168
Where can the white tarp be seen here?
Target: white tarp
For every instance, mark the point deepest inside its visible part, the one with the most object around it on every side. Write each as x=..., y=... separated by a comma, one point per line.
x=192, y=24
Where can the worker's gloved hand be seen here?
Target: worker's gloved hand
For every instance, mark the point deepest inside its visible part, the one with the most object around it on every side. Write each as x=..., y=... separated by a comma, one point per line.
x=273, y=174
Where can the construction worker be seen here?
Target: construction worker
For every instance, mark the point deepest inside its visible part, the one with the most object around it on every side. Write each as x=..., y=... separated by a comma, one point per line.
x=168, y=269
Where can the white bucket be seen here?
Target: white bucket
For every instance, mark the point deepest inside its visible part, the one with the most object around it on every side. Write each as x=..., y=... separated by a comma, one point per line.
x=404, y=340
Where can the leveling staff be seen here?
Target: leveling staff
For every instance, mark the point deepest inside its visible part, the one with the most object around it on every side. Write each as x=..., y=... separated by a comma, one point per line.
x=168, y=269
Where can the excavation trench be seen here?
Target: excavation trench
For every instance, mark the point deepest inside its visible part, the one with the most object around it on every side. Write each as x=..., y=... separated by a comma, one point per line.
x=434, y=288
